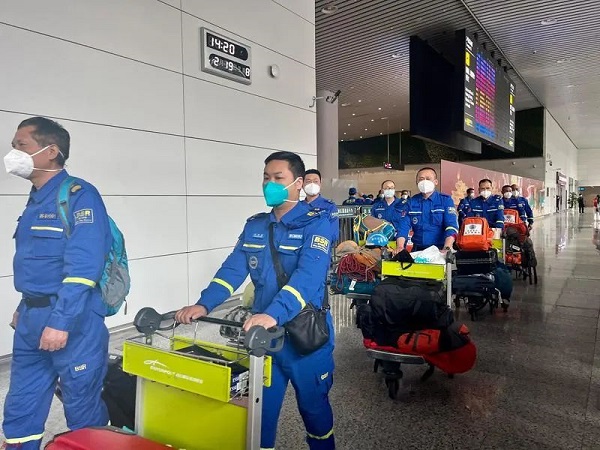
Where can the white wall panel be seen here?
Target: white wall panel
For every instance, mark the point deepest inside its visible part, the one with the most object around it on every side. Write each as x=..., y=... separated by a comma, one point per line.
x=175, y=3
x=160, y=283
x=11, y=207
x=10, y=184
x=210, y=231
x=304, y=8
x=203, y=266
x=294, y=86
x=221, y=114
x=152, y=226
x=260, y=21
x=147, y=31
x=60, y=79
x=588, y=167
x=8, y=305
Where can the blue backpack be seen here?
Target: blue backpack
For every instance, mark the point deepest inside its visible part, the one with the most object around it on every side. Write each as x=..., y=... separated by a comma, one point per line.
x=115, y=281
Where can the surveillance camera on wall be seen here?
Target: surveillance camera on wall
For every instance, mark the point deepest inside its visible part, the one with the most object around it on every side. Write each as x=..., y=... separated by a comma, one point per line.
x=332, y=98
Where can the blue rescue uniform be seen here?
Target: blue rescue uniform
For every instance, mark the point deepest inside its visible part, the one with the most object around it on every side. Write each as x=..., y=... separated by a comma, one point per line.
x=353, y=201
x=57, y=277
x=391, y=213
x=492, y=209
x=302, y=239
x=517, y=205
x=527, y=208
x=432, y=220
x=461, y=209
x=329, y=206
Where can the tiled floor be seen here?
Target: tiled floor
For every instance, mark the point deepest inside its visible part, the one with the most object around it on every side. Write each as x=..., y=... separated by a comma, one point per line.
x=536, y=384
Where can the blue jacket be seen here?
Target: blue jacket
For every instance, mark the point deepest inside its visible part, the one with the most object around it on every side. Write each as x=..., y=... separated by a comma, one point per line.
x=492, y=209
x=302, y=238
x=516, y=204
x=354, y=201
x=432, y=220
x=329, y=206
x=462, y=209
x=391, y=213
x=48, y=264
x=527, y=208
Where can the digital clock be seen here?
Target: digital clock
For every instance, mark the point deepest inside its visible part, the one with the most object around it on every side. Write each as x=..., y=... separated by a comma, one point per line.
x=224, y=57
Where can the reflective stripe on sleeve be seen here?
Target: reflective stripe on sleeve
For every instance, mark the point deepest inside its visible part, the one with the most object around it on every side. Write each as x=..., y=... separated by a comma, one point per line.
x=451, y=228
x=78, y=280
x=287, y=247
x=225, y=284
x=58, y=230
x=325, y=436
x=22, y=440
x=295, y=293
x=253, y=246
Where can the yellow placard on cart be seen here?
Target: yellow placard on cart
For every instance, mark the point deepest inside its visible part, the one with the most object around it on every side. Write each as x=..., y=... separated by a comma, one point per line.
x=415, y=270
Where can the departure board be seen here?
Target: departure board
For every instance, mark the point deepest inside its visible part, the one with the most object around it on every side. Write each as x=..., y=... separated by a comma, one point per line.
x=489, y=97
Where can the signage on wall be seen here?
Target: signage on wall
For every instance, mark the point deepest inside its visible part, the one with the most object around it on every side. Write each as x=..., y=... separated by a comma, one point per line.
x=581, y=189
x=224, y=57
x=561, y=179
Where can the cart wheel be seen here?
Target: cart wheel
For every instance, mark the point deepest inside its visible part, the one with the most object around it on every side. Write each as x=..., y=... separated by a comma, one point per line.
x=504, y=307
x=376, y=366
x=535, y=280
x=428, y=373
x=393, y=386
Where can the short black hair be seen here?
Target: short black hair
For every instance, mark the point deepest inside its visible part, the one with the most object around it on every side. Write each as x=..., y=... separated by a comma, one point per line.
x=485, y=180
x=391, y=181
x=470, y=190
x=427, y=168
x=315, y=171
x=48, y=132
x=295, y=162
x=507, y=186
x=404, y=191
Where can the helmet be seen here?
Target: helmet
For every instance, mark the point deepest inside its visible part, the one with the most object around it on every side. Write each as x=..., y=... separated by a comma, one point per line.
x=376, y=240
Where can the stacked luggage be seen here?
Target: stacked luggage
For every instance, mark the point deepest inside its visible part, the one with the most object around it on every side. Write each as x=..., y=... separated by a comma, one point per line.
x=481, y=279
x=519, y=252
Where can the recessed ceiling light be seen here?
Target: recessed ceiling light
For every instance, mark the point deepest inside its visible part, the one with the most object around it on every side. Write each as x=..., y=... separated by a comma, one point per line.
x=361, y=137
x=379, y=109
x=396, y=55
x=348, y=124
x=402, y=129
x=549, y=22
x=366, y=129
x=372, y=120
x=380, y=133
x=330, y=9
x=561, y=61
x=359, y=101
x=342, y=140
x=353, y=114
x=344, y=134
x=346, y=104
x=383, y=118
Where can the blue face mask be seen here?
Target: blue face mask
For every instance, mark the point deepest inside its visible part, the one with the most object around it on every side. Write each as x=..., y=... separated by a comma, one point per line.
x=276, y=194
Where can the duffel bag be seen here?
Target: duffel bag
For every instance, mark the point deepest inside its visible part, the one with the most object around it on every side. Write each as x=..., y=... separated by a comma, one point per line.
x=473, y=284
x=345, y=284
x=504, y=281
x=422, y=342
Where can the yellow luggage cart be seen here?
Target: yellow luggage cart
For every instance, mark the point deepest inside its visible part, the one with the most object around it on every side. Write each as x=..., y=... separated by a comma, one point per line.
x=197, y=395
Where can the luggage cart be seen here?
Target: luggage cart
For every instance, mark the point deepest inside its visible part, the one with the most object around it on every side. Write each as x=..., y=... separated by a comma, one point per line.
x=199, y=395
x=391, y=362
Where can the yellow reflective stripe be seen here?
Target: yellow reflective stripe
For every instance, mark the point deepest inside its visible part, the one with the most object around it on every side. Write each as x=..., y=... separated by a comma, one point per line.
x=22, y=440
x=451, y=228
x=59, y=230
x=295, y=293
x=287, y=247
x=225, y=284
x=85, y=281
x=253, y=246
x=325, y=436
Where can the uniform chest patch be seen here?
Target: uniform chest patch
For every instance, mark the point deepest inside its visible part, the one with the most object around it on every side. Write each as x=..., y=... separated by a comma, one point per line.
x=295, y=236
x=47, y=216
x=253, y=262
x=258, y=235
x=415, y=220
x=84, y=216
x=320, y=243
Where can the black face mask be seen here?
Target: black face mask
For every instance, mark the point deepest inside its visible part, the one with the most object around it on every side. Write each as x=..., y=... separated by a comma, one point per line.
x=404, y=259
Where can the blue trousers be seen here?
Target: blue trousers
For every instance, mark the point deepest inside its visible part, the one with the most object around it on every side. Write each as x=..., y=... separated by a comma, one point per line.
x=312, y=378
x=81, y=367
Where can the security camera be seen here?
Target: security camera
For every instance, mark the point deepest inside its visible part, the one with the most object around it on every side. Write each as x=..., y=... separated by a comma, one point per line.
x=332, y=98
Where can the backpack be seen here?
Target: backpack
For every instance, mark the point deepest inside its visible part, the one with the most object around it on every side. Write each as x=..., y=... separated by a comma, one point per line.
x=511, y=216
x=475, y=234
x=365, y=224
x=115, y=281
x=422, y=342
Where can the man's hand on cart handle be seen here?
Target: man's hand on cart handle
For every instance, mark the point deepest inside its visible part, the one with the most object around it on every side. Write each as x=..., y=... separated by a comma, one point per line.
x=263, y=320
x=188, y=314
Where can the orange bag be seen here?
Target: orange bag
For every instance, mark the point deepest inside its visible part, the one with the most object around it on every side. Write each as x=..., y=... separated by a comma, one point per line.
x=515, y=259
x=511, y=216
x=475, y=235
x=423, y=342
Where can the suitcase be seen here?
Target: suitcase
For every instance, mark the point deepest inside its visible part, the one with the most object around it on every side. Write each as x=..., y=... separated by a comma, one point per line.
x=109, y=438
x=470, y=263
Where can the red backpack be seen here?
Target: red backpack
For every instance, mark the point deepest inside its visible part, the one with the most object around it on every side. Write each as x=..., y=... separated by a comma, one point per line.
x=423, y=342
x=475, y=235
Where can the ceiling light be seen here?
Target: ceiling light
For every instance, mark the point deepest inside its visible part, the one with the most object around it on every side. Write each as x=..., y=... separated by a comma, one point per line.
x=348, y=124
x=561, y=61
x=353, y=114
x=383, y=118
x=330, y=9
x=344, y=134
x=549, y=22
x=380, y=134
x=372, y=120
x=342, y=140
x=359, y=101
x=396, y=55
x=346, y=104
x=361, y=137
x=402, y=129
x=366, y=129
x=379, y=109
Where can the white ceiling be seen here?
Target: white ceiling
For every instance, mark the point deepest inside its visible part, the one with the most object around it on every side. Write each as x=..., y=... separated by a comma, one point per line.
x=362, y=50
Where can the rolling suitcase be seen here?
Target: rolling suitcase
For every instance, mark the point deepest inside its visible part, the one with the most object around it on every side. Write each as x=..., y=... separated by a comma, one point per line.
x=470, y=263
x=106, y=438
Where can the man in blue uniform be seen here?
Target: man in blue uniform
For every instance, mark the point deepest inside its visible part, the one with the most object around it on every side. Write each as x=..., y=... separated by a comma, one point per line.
x=512, y=202
x=312, y=187
x=59, y=323
x=352, y=198
x=486, y=205
x=462, y=204
x=525, y=204
x=388, y=207
x=302, y=239
x=431, y=215
x=404, y=195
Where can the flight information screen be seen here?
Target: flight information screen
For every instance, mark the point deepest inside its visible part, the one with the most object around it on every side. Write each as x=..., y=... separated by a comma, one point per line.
x=489, y=98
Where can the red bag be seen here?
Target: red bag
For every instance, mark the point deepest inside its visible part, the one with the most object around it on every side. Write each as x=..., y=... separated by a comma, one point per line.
x=460, y=360
x=102, y=438
x=515, y=259
x=421, y=342
x=475, y=235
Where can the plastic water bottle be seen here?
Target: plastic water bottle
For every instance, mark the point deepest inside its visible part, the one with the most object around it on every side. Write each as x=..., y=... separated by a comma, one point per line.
x=409, y=244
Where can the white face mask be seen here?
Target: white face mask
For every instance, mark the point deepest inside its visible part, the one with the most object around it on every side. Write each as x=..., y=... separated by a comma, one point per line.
x=404, y=197
x=312, y=189
x=508, y=195
x=471, y=195
x=20, y=164
x=380, y=196
x=426, y=186
x=515, y=193
x=389, y=193
x=486, y=193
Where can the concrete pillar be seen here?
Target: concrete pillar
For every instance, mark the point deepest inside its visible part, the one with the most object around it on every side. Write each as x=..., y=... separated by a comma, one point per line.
x=327, y=137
